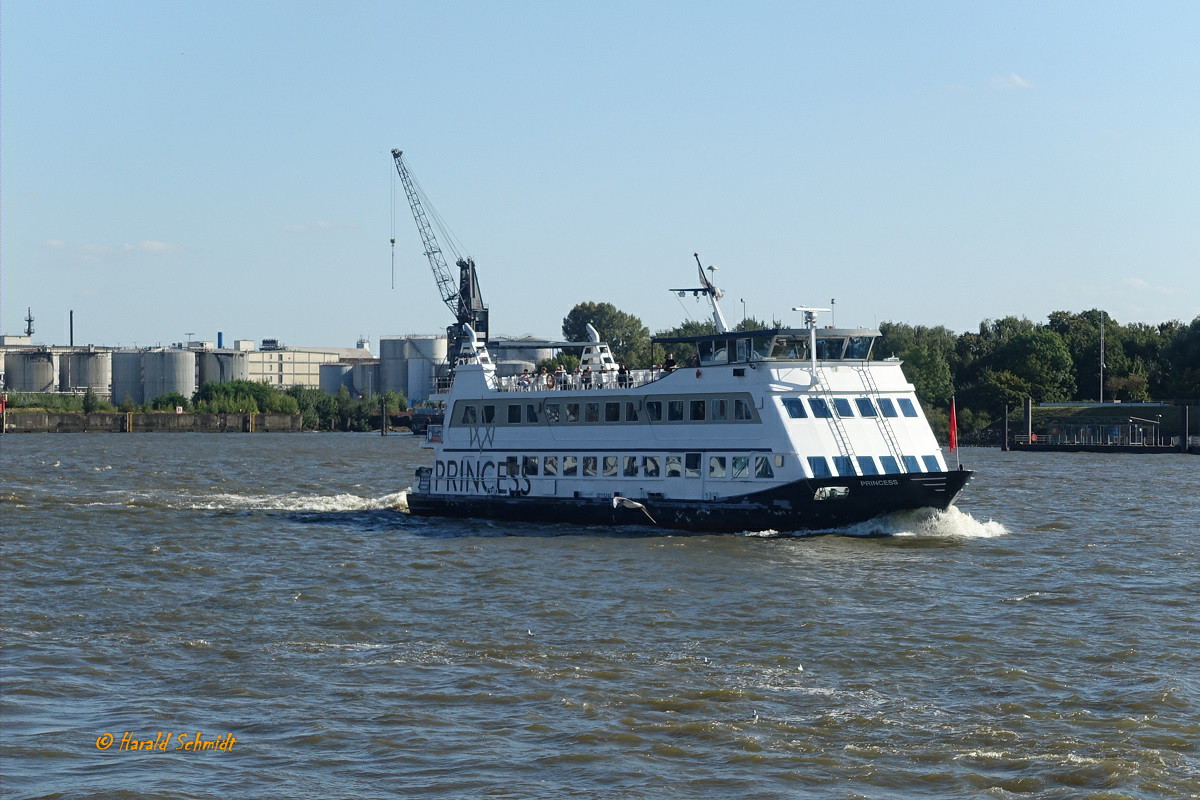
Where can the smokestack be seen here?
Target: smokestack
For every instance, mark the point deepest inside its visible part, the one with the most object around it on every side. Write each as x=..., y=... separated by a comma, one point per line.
x=72, y=333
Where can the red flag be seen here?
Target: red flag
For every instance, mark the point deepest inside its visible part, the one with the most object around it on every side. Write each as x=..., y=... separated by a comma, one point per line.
x=953, y=427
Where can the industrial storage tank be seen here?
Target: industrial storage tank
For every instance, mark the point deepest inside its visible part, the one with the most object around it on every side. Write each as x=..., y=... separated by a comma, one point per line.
x=127, y=376
x=512, y=366
x=424, y=353
x=223, y=366
x=364, y=379
x=393, y=364
x=85, y=369
x=31, y=371
x=166, y=371
x=332, y=377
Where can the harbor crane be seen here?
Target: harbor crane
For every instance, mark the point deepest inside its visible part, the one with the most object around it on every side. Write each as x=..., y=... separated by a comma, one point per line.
x=462, y=297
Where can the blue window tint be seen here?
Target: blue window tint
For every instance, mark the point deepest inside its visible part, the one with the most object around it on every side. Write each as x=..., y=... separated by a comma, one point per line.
x=887, y=407
x=819, y=407
x=911, y=464
x=866, y=465
x=865, y=407
x=819, y=466
x=843, y=465
x=843, y=407
x=794, y=408
x=890, y=465
x=931, y=463
x=907, y=407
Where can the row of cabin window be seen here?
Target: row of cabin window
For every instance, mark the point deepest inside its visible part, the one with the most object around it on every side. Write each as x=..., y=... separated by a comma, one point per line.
x=841, y=405
x=718, y=410
x=684, y=465
x=844, y=465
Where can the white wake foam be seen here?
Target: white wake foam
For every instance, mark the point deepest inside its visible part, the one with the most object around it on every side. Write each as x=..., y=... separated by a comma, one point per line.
x=931, y=523
x=397, y=501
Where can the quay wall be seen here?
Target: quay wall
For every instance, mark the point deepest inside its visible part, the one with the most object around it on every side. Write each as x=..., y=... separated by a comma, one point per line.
x=65, y=422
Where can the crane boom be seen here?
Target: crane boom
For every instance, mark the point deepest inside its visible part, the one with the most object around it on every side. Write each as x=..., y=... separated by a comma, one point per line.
x=463, y=297
x=441, y=271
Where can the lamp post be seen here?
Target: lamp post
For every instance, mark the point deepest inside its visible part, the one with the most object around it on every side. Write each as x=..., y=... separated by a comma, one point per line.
x=743, y=312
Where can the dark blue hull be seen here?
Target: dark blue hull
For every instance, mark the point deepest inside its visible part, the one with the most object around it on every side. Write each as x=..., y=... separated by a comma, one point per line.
x=807, y=505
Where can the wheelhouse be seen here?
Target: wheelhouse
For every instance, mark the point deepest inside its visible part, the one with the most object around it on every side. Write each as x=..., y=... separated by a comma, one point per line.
x=779, y=344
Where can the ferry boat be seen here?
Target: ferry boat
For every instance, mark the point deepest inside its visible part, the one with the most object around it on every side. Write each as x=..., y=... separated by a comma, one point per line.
x=787, y=429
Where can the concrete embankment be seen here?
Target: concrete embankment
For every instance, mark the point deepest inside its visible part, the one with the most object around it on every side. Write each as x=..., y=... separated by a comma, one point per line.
x=61, y=422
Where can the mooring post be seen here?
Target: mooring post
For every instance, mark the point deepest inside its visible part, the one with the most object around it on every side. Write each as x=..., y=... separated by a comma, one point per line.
x=1004, y=444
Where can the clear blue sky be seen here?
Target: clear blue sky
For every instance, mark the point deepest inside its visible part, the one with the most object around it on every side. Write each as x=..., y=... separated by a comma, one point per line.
x=195, y=167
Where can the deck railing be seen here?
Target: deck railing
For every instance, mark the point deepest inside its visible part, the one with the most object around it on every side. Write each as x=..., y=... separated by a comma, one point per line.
x=569, y=382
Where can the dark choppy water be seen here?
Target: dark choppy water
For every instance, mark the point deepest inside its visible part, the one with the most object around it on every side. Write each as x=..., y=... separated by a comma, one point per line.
x=1043, y=642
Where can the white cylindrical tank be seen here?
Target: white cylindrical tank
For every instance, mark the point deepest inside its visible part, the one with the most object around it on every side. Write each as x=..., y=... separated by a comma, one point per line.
x=31, y=371
x=223, y=366
x=420, y=380
x=432, y=348
x=393, y=364
x=127, y=376
x=332, y=377
x=505, y=369
x=364, y=379
x=85, y=369
x=166, y=371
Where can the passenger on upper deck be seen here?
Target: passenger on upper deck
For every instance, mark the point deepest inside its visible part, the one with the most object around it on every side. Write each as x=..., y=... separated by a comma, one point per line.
x=623, y=377
x=585, y=379
x=669, y=364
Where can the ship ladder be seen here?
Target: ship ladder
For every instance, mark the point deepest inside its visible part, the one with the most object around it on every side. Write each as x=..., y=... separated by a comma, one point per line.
x=839, y=430
x=889, y=433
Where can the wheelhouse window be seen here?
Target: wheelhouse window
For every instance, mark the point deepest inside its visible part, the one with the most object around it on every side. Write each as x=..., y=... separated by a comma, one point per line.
x=866, y=465
x=489, y=414
x=720, y=409
x=742, y=411
x=890, y=465
x=794, y=407
x=907, y=407
x=911, y=464
x=859, y=347
x=691, y=465
x=743, y=349
x=468, y=415
x=842, y=405
x=650, y=466
x=790, y=348
x=762, y=467
x=843, y=465
x=674, y=410
x=931, y=463
x=674, y=467
x=865, y=407
x=819, y=467
x=716, y=466
x=654, y=410
x=830, y=349
x=819, y=408
x=697, y=410
x=887, y=406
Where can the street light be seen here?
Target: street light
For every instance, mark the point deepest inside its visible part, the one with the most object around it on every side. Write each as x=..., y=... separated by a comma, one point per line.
x=743, y=310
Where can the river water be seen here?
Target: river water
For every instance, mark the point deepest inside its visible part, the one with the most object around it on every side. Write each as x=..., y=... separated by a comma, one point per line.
x=1040, y=640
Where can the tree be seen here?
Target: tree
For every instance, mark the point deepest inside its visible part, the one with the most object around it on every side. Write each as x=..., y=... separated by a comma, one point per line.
x=625, y=334
x=1040, y=361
